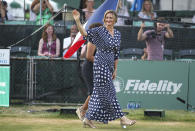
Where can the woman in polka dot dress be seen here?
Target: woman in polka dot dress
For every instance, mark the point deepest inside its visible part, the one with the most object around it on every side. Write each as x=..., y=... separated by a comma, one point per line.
x=103, y=105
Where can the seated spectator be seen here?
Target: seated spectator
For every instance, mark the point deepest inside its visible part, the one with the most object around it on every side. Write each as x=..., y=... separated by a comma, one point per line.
x=49, y=44
x=68, y=41
x=147, y=11
x=47, y=11
x=89, y=10
x=2, y=12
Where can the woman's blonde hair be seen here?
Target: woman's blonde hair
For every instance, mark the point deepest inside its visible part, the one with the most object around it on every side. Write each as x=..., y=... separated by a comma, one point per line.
x=112, y=12
x=151, y=9
x=44, y=34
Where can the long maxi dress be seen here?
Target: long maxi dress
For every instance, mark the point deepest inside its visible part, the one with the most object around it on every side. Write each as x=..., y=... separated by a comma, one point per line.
x=103, y=105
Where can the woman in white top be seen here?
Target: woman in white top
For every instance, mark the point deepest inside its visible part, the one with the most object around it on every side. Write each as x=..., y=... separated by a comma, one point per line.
x=147, y=11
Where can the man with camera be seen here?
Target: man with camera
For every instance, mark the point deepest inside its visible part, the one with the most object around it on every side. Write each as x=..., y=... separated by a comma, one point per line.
x=155, y=39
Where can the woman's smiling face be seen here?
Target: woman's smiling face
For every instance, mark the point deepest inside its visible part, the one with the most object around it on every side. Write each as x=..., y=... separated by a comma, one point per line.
x=109, y=19
x=49, y=30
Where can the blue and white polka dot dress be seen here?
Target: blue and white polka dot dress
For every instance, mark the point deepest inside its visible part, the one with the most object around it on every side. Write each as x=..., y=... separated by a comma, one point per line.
x=103, y=105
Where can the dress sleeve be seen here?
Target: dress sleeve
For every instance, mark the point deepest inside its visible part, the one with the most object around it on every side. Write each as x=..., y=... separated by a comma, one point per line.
x=116, y=56
x=92, y=35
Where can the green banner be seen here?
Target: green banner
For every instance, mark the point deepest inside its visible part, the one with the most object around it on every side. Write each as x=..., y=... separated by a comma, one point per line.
x=152, y=84
x=192, y=86
x=4, y=85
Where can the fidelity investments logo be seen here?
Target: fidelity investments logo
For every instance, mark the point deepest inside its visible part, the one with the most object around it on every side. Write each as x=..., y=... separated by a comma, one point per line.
x=147, y=87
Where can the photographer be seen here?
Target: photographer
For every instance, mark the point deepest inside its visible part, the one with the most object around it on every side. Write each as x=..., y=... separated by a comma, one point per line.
x=155, y=39
x=47, y=12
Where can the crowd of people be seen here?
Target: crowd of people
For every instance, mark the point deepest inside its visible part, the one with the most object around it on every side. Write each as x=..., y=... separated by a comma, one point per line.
x=86, y=6
x=155, y=39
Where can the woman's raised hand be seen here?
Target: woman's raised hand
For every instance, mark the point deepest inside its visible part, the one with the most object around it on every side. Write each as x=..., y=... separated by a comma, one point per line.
x=76, y=14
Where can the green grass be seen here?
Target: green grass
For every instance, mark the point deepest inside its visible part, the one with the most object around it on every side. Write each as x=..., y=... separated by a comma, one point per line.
x=35, y=118
x=170, y=115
